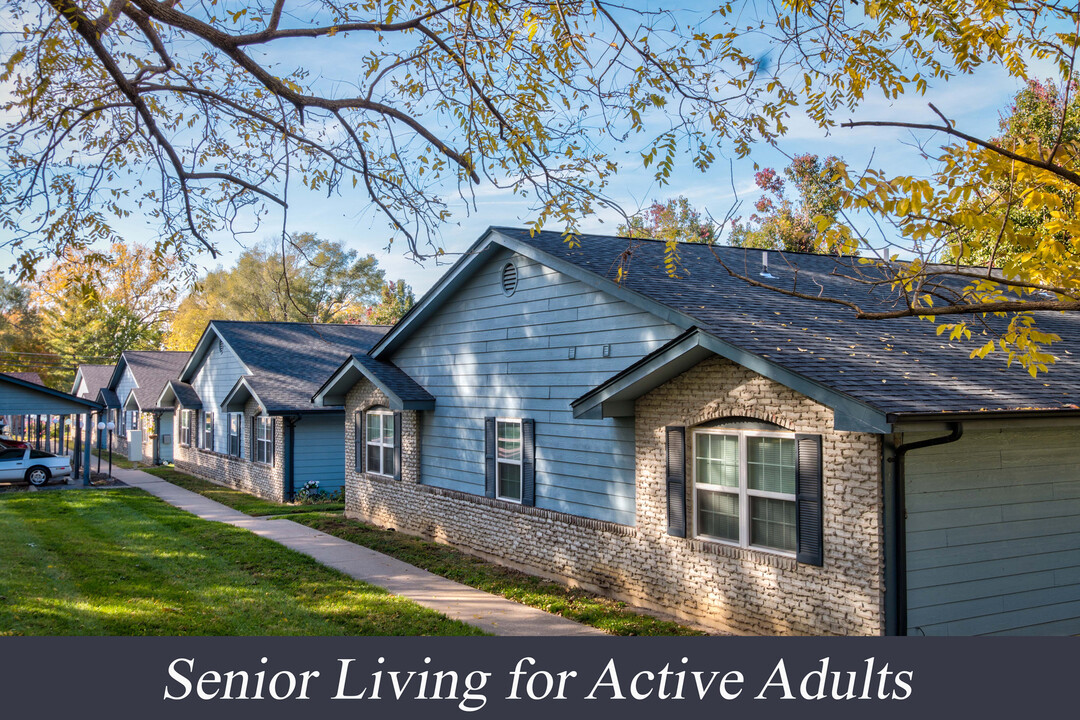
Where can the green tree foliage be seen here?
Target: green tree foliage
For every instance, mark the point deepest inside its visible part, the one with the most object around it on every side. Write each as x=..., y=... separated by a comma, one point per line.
x=673, y=219
x=1043, y=114
x=313, y=280
x=175, y=112
x=20, y=348
x=91, y=311
x=785, y=223
x=397, y=299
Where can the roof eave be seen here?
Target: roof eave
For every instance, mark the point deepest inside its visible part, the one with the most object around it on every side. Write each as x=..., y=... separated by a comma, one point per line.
x=333, y=391
x=237, y=398
x=614, y=397
x=451, y=280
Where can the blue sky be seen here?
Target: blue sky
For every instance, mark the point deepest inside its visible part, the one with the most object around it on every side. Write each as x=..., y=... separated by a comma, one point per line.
x=973, y=102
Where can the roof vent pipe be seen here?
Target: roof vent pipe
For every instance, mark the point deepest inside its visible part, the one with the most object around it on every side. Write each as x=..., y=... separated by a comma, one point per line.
x=765, y=265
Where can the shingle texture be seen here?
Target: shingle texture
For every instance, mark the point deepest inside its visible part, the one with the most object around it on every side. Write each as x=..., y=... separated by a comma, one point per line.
x=152, y=369
x=897, y=366
x=395, y=379
x=186, y=395
x=290, y=361
x=31, y=377
x=96, y=377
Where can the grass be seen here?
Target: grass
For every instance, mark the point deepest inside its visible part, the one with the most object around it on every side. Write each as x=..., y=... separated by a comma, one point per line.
x=122, y=562
x=610, y=615
x=237, y=500
x=118, y=460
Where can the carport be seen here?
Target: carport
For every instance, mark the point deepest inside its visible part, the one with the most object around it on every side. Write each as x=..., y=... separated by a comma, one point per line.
x=22, y=398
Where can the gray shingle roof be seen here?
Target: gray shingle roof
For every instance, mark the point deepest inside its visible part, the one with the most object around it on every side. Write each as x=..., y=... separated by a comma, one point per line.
x=96, y=377
x=31, y=377
x=152, y=369
x=395, y=379
x=897, y=366
x=186, y=395
x=108, y=398
x=289, y=361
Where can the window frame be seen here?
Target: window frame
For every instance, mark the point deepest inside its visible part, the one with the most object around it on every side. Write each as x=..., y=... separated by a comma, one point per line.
x=266, y=421
x=379, y=413
x=207, y=431
x=185, y=428
x=743, y=490
x=238, y=436
x=520, y=462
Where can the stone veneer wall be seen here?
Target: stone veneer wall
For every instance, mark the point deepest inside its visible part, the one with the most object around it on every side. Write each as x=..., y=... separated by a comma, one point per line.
x=724, y=587
x=241, y=473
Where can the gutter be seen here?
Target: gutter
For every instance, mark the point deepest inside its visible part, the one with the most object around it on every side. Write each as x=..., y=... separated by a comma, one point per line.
x=896, y=531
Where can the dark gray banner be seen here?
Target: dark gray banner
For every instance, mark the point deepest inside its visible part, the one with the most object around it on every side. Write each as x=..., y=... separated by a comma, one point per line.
x=491, y=677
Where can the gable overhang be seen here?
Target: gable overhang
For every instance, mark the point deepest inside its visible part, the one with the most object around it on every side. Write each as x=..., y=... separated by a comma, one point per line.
x=471, y=260
x=107, y=399
x=203, y=348
x=118, y=373
x=78, y=381
x=238, y=397
x=333, y=391
x=491, y=242
x=169, y=398
x=131, y=402
x=615, y=397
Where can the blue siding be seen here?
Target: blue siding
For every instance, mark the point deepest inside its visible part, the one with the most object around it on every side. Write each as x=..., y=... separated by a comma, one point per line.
x=214, y=378
x=123, y=389
x=485, y=354
x=319, y=451
x=994, y=534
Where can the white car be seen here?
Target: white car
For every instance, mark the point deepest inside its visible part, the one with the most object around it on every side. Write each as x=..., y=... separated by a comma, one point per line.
x=34, y=466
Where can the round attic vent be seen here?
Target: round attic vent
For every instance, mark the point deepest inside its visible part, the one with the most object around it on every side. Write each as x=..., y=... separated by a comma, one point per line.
x=509, y=278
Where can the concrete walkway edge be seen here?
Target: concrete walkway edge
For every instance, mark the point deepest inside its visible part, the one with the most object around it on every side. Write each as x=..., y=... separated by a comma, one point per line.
x=488, y=612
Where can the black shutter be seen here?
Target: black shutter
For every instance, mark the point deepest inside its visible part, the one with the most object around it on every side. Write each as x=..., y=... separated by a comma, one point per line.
x=397, y=446
x=676, y=480
x=252, y=440
x=809, y=513
x=273, y=442
x=489, y=457
x=528, y=462
x=358, y=440
x=213, y=432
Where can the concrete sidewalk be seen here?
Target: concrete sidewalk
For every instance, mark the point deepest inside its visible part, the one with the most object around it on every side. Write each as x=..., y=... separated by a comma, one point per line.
x=486, y=611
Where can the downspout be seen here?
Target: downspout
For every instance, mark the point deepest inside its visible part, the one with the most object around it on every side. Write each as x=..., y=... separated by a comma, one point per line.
x=290, y=425
x=155, y=452
x=898, y=575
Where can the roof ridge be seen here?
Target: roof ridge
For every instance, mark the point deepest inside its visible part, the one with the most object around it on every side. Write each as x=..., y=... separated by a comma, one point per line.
x=294, y=322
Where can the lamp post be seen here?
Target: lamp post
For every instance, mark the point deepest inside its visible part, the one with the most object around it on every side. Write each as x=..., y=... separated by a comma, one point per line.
x=100, y=427
x=110, y=426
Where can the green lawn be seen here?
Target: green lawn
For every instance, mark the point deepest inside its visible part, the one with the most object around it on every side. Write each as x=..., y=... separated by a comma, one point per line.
x=118, y=460
x=609, y=615
x=237, y=500
x=121, y=562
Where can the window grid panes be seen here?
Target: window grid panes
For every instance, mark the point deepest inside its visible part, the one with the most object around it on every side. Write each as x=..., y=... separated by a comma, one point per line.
x=264, y=439
x=380, y=442
x=185, y=427
x=508, y=459
x=744, y=488
x=208, y=431
x=236, y=424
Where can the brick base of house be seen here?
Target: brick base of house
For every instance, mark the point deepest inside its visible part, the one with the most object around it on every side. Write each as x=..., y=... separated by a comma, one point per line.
x=720, y=586
x=265, y=481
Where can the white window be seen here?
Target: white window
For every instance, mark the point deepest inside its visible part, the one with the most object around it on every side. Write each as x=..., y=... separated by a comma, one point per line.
x=185, y=427
x=134, y=424
x=508, y=459
x=236, y=434
x=744, y=488
x=208, y=430
x=380, y=442
x=264, y=439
